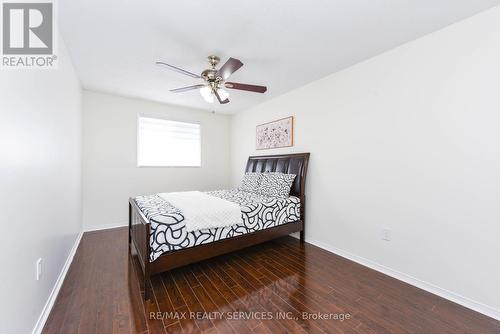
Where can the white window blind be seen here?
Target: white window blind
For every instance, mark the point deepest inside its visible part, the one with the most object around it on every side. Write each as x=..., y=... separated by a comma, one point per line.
x=168, y=143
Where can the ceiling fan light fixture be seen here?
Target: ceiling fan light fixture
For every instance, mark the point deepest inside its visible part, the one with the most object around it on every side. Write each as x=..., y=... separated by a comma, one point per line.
x=223, y=94
x=206, y=93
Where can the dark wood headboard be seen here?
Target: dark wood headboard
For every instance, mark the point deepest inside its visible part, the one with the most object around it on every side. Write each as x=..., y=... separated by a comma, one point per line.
x=284, y=163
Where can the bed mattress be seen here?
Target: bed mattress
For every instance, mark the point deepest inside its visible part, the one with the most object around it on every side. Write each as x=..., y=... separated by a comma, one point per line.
x=258, y=212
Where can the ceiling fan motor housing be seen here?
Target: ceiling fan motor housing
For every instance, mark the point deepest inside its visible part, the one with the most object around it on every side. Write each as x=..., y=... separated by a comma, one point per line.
x=210, y=75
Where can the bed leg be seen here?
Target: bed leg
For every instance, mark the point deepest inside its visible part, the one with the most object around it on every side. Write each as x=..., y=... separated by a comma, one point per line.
x=147, y=290
x=302, y=236
x=147, y=294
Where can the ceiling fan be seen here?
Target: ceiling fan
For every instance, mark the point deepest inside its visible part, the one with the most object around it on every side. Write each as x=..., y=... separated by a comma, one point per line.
x=215, y=80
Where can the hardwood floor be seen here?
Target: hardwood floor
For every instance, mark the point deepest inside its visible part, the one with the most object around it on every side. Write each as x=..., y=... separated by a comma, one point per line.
x=277, y=279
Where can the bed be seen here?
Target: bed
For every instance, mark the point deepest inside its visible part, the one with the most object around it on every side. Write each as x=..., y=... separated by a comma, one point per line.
x=159, y=239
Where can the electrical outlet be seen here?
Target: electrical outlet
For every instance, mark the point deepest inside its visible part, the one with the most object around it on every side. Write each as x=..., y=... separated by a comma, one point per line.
x=386, y=234
x=38, y=268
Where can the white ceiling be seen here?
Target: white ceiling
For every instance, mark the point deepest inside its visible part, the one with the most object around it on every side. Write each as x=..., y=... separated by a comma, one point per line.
x=283, y=44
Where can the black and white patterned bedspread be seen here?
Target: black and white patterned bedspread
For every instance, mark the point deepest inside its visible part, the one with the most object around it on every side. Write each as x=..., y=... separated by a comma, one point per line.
x=258, y=212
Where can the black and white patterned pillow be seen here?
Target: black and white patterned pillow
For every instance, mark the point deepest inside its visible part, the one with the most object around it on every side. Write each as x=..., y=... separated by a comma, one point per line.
x=276, y=184
x=251, y=182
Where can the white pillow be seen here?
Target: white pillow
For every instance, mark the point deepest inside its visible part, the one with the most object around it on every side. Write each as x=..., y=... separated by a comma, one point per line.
x=276, y=184
x=250, y=182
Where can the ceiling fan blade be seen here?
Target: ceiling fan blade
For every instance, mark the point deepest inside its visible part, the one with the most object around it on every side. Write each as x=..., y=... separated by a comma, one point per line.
x=220, y=101
x=178, y=70
x=250, y=88
x=231, y=66
x=185, y=89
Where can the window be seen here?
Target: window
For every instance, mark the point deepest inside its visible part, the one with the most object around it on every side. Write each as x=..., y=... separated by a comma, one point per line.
x=167, y=143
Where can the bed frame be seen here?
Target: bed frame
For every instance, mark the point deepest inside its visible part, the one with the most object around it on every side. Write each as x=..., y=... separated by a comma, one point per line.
x=140, y=228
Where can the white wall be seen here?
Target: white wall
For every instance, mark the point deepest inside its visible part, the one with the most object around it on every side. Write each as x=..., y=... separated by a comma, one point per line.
x=407, y=140
x=40, y=185
x=110, y=172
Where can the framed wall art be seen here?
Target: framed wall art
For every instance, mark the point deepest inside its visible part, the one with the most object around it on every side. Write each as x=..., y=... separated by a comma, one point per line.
x=275, y=134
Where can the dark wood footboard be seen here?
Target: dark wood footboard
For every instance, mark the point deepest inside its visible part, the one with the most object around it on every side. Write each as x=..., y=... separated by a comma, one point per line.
x=139, y=229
